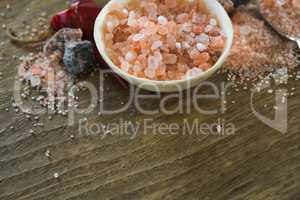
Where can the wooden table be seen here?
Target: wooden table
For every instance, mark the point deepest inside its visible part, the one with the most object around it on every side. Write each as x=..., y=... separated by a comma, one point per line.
x=256, y=162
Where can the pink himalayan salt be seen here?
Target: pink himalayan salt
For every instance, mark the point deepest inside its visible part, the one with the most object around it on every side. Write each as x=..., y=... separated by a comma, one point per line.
x=257, y=49
x=171, y=3
x=296, y=6
x=131, y=56
x=170, y=59
x=157, y=44
x=44, y=72
x=151, y=45
x=162, y=20
x=193, y=72
x=201, y=47
x=283, y=14
x=181, y=18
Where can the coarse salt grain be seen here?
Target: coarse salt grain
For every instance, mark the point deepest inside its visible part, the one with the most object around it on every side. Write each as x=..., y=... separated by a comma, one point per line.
x=178, y=45
x=213, y=22
x=131, y=56
x=193, y=72
x=138, y=37
x=201, y=47
x=55, y=175
x=162, y=20
x=170, y=59
x=186, y=45
x=203, y=38
x=156, y=45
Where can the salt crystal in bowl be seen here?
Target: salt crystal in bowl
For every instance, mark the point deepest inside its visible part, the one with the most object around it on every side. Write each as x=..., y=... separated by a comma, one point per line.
x=213, y=7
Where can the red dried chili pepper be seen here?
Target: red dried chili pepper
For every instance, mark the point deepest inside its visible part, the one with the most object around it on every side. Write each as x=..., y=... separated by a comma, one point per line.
x=81, y=14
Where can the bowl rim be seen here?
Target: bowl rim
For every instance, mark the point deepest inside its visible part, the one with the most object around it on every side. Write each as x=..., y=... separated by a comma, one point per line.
x=99, y=40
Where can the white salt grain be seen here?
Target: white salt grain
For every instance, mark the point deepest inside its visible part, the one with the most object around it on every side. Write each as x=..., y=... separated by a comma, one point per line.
x=47, y=153
x=203, y=38
x=130, y=56
x=138, y=37
x=55, y=175
x=201, y=47
x=157, y=44
x=178, y=45
x=213, y=22
x=162, y=20
x=193, y=72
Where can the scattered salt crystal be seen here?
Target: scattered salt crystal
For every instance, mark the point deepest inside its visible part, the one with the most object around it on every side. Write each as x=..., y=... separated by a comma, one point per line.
x=47, y=153
x=61, y=74
x=35, y=81
x=270, y=91
x=219, y=128
x=55, y=175
x=162, y=20
x=43, y=14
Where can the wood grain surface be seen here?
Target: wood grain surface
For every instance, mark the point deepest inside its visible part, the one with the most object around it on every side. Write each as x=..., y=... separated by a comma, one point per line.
x=255, y=163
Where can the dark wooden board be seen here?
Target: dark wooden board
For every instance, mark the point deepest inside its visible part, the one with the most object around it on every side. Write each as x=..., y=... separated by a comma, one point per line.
x=257, y=162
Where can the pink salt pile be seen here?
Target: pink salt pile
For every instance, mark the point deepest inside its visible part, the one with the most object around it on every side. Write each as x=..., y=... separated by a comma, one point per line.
x=163, y=40
x=46, y=71
x=283, y=14
x=257, y=49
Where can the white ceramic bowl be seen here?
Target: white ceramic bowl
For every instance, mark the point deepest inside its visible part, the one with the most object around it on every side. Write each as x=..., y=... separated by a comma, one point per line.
x=213, y=6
